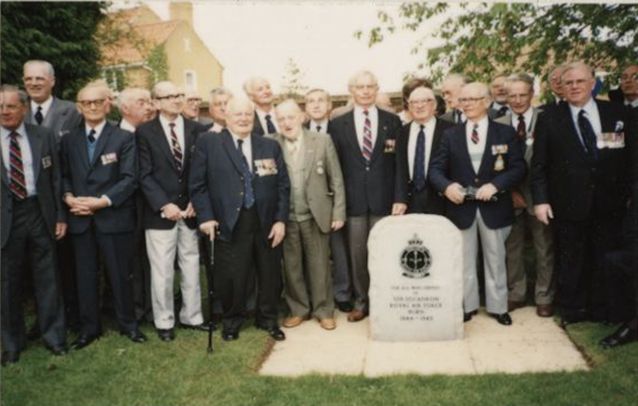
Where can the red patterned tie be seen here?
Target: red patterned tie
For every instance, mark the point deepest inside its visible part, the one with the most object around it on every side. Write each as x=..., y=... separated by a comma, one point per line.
x=475, y=137
x=17, y=185
x=367, y=137
x=521, y=129
x=177, y=150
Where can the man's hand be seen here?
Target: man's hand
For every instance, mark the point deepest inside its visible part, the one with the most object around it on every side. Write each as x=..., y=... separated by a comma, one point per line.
x=277, y=233
x=336, y=225
x=518, y=200
x=209, y=228
x=190, y=211
x=543, y=213
x=399, y=209
x=60, y=230
x=94, y=203
x=77, y=206
x=486, y=192
x=172, y=212
x=454, y=193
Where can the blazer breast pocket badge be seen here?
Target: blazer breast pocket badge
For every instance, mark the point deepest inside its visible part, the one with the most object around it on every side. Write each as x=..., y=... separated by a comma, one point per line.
x=612, y=140
x=499, y=150
x=320, y=170
x=108, y=158
x=265, y=167
x=46, y=162
x=388, y=148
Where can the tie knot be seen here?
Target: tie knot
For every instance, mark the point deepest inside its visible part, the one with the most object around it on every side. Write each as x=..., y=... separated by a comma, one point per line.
x=421, y=127
x=267, y=116
x=240, y=143
x=366, y=112
x=172, y=125
x=475, y=128
x=582, y=113
x=39, y=109
x=521, y=118
x=13, y=135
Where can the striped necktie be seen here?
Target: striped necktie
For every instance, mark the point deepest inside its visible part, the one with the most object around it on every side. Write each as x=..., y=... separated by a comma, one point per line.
x=475, y=137
x=367, y=137
x=177, y=150
x=17, y=182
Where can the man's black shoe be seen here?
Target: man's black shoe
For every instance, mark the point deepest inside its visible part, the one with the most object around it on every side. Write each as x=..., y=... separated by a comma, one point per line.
x=274, y=331
x=198, y=327
x=345, y=306
x=623, y=335
x=468, y=316
x=82, y=341
x=57, y=350
x=166, y=334
x=10, y=357
x=230, y=335
x=503, y=319
x=134, y=335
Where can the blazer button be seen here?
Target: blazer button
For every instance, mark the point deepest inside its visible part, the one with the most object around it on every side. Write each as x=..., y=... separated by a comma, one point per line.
x=476, y=180
x=238, y=209
x=241, y=193
x=179, y=180
x=179, y=196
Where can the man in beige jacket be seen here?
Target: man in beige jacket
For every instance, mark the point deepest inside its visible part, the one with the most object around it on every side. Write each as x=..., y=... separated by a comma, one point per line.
x=317, y=207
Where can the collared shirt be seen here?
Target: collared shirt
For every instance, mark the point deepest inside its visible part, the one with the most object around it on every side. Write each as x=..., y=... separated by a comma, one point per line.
x=294, y=147
x=179, y=130
x=591, y=112
x=25, y=152
x=414, y=133
x=359, y=121
x=125, y=125
x=216, y=128
x=98, y=130
x=262, y=119
x=323, y=124
x=633, y=104
x=46, y=105
x=476, y=150
x=246, y=148
x=498, y=106
x=527, y=116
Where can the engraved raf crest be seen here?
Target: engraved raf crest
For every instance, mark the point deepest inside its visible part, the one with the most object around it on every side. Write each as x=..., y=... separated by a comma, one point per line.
x=416, y=259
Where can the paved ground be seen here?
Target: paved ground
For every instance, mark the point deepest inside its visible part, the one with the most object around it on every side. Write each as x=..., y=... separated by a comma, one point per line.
x=531, y=344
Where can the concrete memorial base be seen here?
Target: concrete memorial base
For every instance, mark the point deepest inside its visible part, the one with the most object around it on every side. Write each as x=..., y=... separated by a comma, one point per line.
x=531, y=344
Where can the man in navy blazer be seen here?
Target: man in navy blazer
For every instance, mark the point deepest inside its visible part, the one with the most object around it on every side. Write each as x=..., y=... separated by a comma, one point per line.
x=99, y=180
x=581, y=172
x=32, y=219
x=476, y=166
x=240, y=190
x=364, y=139
x=260, y=93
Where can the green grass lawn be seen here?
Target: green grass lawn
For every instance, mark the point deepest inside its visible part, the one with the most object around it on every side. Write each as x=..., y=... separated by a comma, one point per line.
x=114, y=371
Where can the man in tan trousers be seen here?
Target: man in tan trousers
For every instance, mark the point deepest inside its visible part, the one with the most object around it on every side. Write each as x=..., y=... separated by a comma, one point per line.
x=317, y=207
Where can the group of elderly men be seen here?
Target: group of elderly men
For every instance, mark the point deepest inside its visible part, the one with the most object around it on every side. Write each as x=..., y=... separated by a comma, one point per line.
x=275, y=185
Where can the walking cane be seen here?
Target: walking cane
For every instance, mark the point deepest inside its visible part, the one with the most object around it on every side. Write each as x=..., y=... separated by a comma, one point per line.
x=211, y=292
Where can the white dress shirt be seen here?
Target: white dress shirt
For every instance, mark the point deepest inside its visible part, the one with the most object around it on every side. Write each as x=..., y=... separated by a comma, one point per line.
x=125, y=125
x=246, y=148
x=262, y=119
x=476, y=150
x=25, y=152
x=179, y=131
x=359, y=119
x=98, y=130
x=429, y=135
x=46, y=105
x=591, y=112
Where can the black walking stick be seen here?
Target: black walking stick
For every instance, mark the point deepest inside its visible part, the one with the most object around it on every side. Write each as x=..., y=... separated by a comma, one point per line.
x=211, y=291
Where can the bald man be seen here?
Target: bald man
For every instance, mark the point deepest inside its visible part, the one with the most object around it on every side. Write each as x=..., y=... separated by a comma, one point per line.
x=260, y=93
x=240, y=190
x=476, y=167
x=317, y=207
x=581, y=172
x=99, y=173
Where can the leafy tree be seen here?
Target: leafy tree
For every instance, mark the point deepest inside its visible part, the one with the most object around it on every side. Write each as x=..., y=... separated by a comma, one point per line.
x=61, y=33
x=484, y=39
x=293, y=81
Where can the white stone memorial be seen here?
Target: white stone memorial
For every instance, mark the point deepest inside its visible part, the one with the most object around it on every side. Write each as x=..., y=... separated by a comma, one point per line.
x=416, y=279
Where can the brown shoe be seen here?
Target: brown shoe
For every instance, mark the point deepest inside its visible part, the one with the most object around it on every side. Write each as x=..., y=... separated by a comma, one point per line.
x=292, y=321
x=328, y=324
x=356, y=315
x=513, y=305
x=544, y=310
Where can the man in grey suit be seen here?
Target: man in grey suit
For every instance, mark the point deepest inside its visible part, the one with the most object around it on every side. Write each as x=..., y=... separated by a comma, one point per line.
x=520, y=91
x=45, y=109
x=317, y=207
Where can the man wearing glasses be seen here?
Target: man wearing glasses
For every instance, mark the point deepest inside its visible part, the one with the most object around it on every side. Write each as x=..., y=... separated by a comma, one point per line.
x=417, y=143
x=165, y=146
x=99, y=172
x=476, y=167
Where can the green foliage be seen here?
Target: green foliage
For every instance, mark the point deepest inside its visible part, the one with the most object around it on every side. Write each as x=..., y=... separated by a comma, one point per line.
x=158, y=63
x=484, y=39
x=59, y=32
x=293, y=86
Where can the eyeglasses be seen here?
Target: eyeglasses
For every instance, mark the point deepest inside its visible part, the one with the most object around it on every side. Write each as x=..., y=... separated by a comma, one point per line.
x=420, y=102
x=89, y=103
x=170, y=96
x=193, y=100
x=470, y=99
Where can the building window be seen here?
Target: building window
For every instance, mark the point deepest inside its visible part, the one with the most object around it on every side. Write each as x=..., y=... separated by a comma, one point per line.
x=187, y=44
x=190, y=79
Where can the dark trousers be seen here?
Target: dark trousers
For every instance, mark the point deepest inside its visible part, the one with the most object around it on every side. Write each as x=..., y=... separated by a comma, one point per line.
x=580, y=265
x=66, y=269
x=236, y=261
x=423, y=202
x=29, y=238
x=341, y=270
x=116, y=250
x=621, y=268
